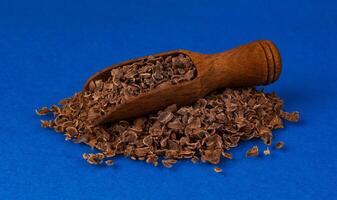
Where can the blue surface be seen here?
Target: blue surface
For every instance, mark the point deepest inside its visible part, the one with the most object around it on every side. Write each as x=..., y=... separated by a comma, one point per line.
x=49, y=48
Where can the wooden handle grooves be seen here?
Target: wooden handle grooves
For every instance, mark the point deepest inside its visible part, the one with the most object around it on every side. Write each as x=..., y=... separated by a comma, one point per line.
x=273, y=61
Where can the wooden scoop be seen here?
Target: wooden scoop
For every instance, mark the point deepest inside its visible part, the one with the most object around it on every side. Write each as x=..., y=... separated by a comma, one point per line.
x=256, y=63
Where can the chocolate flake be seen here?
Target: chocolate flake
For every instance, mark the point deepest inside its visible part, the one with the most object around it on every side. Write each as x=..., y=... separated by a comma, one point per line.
x=43, y=111
x=279, y=145
x=109, y=162
x=227, y=155
x=94, y=159
x=254, y=151
x=168, y=163
x=217, y=169
x=45, y=124
x=266, y=152
x=72, y=131
x=292, y=117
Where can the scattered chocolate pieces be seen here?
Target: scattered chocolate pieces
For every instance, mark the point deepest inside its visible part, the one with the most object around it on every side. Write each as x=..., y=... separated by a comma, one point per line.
x=217, y=169
x=279, y=145
x=266, y=152
x=168, y=163
x=42, y=111
x=254, y=151
x=45, y=124
x=135, y=79
x=109, y=162
x=94, y=159
x=292, y=117
x=227, y=155
x=203, y=130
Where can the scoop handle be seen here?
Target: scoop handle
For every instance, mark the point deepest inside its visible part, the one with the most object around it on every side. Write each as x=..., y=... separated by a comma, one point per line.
x=256, y=63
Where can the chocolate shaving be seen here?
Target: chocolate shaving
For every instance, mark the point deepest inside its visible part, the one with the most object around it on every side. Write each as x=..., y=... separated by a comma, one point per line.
x=94, y=159
x=279, y=145
x=254, y=151
x=109, y=162
x=292, y=117
x=266, y=152
x=217, y=169
x=168, y=163
x=45, y=124
x=227, y=155
x=42, y=111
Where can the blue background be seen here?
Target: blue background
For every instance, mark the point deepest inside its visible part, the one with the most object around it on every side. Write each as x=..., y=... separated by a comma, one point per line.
x=49, y=48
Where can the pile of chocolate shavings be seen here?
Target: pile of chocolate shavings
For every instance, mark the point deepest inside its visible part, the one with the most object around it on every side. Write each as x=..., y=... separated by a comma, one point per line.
x=204, y=130
x=137, y=78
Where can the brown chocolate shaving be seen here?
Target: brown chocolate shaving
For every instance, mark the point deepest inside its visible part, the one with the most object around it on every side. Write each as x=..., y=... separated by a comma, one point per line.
x=168, y=163
x=217, y=169
x=266, y=152
x=279, y=145
x=109, y=162
x=42, y=111
x=292, y=117
x=45, y=124
x=227, y=155
x=254, y=151
x=94, y=159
